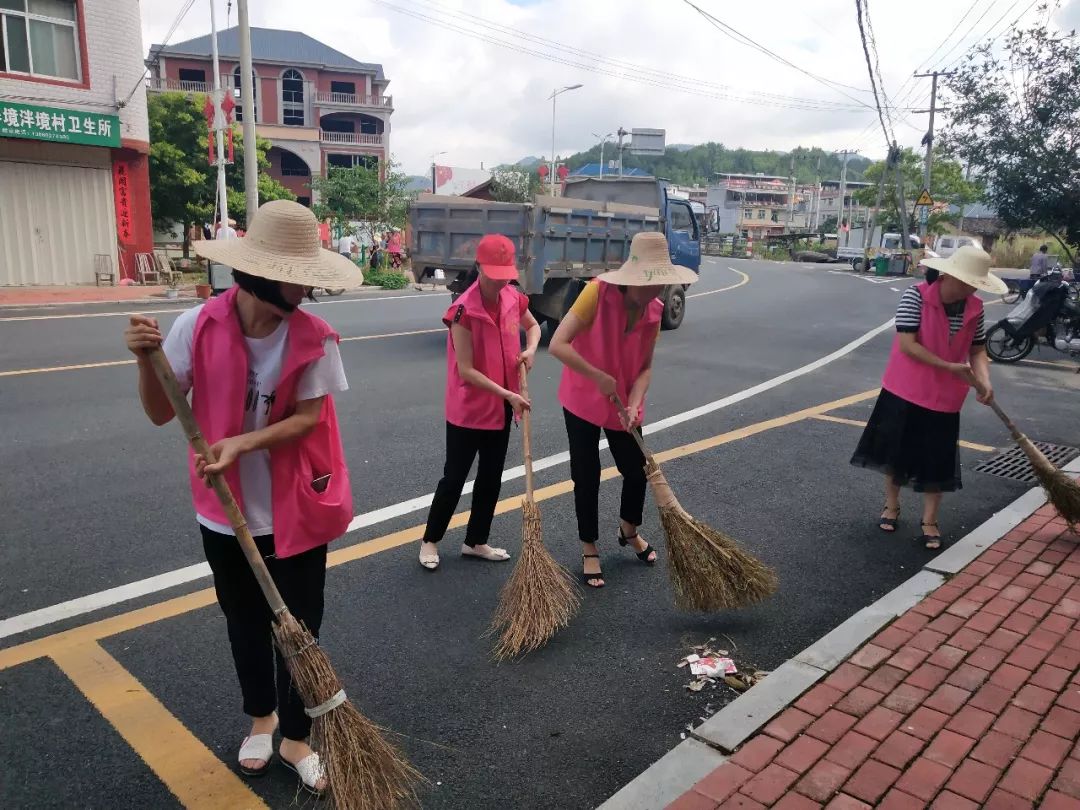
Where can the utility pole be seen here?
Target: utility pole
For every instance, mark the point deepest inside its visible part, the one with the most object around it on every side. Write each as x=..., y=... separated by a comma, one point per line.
x=843, y=195
x=247, y=93
x=905, y=225
x=928, y=139
x=815, y=200
x=791, y=197
x=219, y=133
x=622, y=133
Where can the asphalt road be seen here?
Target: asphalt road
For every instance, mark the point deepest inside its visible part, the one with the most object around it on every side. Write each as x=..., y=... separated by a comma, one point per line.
x=94, y=498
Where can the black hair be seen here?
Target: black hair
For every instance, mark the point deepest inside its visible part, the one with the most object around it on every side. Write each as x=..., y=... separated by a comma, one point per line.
x=932, y=275
x=265, y=290
x=1044, y=248
x=472, y=275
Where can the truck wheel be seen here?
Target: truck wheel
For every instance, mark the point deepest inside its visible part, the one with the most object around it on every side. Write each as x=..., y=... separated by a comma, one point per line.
x=858, y=265
x=674, y=308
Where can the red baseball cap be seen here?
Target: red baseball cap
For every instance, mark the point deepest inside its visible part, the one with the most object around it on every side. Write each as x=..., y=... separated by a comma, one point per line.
x=495, y=255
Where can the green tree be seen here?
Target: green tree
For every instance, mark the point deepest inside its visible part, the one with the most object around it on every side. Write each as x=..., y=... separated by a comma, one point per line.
x=946, y=182
x=514, y=185
x=374, y=198
x=1015, y=120
x=183, y=184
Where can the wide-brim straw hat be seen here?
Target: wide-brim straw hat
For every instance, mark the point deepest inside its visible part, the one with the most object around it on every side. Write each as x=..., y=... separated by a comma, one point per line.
x=971, y=265
x=283, y=244
x=649, y=264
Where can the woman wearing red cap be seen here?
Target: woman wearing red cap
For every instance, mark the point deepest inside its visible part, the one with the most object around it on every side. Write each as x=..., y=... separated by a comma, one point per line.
x=606, y=342
x=483, y=352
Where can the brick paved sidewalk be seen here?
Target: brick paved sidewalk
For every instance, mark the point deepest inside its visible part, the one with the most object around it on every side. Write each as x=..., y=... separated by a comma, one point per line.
x=970, y=699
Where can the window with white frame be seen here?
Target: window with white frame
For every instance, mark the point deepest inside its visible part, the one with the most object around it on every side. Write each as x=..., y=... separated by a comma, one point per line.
x=238, y=113
x=292, y=98
x=40, y=38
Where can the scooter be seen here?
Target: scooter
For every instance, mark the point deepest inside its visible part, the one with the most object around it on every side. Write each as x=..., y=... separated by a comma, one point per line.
x=1046, y=312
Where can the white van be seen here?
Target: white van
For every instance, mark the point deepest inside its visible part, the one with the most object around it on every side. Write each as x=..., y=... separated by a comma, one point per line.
x=948, y=244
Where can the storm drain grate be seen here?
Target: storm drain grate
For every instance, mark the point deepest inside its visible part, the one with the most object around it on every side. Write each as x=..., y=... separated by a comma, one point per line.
x=1014, y=465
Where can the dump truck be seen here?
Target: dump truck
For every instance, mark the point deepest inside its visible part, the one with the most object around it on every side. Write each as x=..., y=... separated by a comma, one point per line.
x=561, y=242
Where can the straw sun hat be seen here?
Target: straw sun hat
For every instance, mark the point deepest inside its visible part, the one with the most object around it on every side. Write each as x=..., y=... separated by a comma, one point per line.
x=649, y=264
x=972, y=266
x=283, y=244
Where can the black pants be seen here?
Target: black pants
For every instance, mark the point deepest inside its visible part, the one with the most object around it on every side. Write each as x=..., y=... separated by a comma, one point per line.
x=463, y=445
x=585, y=471
x=264, y=679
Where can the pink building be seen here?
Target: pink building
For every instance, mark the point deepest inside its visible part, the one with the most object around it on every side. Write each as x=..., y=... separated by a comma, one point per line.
x=317, y=106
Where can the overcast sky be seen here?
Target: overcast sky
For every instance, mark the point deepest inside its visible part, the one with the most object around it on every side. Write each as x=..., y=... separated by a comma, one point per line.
x=642, y=63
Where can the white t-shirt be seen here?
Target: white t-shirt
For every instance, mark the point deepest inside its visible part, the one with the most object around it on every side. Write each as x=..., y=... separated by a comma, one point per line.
x=228, y=233
x=324, y=376
x=346, y=244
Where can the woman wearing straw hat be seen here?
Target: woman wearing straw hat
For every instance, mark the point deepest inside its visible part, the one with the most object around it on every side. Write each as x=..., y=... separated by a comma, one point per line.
x=938, y=354
x=262, y=374
x=483, y=352
x=606, y=344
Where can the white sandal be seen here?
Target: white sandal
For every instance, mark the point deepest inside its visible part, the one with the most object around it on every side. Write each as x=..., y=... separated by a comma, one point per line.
x=429, y=561
x=310, y=770
x=491, y=554
x=257, y=746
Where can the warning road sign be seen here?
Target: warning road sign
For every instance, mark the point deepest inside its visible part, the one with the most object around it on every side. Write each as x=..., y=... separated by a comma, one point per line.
x=925, y=198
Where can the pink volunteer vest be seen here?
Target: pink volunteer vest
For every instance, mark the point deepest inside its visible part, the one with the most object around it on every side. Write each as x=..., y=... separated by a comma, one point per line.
x=493, y=347
x=303, y=518
x=933, y=388
x=606, y=346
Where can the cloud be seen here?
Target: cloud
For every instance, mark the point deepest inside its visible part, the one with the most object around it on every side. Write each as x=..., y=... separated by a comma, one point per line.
x=483, y=103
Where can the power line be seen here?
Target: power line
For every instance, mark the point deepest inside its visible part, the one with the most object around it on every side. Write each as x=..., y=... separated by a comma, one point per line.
x=738, y=36
x=184, y=9
x=800, y=104
x=505, y=30
x=870, y=68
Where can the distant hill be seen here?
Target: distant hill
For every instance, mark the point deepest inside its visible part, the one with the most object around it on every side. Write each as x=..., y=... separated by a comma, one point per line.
x=417, y=182
x=530, y=162
x=698, y=165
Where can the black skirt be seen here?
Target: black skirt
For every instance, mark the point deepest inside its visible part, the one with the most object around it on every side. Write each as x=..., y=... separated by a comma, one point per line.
x=914, y=445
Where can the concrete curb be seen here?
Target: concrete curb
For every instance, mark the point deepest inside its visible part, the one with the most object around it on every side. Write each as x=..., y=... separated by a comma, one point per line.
x=681, y=768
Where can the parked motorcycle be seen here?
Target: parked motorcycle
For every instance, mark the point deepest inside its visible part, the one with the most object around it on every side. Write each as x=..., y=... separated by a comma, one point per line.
x=1047, y=312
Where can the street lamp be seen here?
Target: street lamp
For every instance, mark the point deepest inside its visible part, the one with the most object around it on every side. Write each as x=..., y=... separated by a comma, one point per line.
x=603, y=140
x=555, y=94
x=433, y=156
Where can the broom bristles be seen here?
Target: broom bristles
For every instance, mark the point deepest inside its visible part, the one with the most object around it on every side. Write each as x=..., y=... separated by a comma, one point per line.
x=540, y=597
x=709, y=571
x=1061, y=490
x=364, y=771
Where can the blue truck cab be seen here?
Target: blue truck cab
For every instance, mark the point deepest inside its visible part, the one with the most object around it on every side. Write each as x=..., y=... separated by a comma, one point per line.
x=561, y=242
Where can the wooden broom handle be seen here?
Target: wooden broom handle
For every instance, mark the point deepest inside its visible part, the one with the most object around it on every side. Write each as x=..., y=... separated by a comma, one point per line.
x=199, y=444
x=1004, y=417
x=526, y=432
x=637, y=436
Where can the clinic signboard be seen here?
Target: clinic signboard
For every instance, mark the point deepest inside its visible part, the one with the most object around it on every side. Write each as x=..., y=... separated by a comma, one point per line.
x=58, y=124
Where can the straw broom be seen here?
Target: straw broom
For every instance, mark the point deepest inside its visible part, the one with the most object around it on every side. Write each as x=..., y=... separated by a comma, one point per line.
x=709, y=571
x=1061, y=490
x=364, y=771
x=540, y=597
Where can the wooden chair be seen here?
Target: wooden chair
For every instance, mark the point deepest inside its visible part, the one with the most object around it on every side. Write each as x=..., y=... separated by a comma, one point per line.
x=145, y=269
x=104, y=269
x=164, y=266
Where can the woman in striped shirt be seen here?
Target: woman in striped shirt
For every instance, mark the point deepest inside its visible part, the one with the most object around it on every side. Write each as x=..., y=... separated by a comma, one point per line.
x=939, y=353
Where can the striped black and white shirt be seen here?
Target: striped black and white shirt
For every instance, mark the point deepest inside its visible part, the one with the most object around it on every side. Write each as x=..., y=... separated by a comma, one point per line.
x=909, y=315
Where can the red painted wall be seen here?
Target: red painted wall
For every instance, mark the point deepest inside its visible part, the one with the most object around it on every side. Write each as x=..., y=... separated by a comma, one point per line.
x=132, y=156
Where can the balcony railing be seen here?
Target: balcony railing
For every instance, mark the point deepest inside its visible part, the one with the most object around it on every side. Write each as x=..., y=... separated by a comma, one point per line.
x=177, y=86
x=350, y=138
x=350, y=100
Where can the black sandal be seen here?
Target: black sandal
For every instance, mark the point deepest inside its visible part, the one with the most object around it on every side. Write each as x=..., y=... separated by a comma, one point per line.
x=641, y=555
x=884, y=522
x=931, y=542
x=598, y=575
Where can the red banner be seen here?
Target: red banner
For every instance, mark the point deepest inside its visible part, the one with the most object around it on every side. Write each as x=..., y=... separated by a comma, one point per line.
x=122, y=196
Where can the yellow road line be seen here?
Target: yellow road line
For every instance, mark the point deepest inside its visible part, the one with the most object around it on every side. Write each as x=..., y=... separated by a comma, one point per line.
x=1049, y=363
x=174, y=310
x=744, y=280
x=982, y=448
x=106, y=364
x=104, y=628
x=187, y=768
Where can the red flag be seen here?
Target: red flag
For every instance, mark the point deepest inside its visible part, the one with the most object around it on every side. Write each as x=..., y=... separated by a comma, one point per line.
x=443, y=175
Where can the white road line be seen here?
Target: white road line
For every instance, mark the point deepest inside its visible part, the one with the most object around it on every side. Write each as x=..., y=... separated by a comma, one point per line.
x=178, y=309
x=96, y=601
